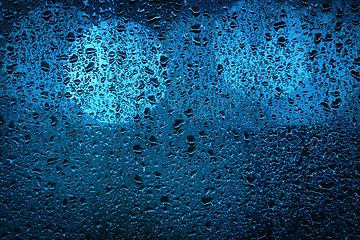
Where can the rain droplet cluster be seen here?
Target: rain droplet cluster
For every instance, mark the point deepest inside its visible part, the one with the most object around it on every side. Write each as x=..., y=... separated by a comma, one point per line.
x=36, y=55
x=273, y=61
x=233, y=120
x=116, y=71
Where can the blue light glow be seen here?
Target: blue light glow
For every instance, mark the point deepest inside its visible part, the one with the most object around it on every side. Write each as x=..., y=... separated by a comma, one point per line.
x=117, y=73
x=38, y=48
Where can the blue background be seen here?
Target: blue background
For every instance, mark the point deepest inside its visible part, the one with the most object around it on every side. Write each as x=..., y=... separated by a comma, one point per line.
x=239, y=144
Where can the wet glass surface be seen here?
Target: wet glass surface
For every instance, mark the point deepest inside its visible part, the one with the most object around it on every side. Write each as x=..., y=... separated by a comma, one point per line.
x=179, y=119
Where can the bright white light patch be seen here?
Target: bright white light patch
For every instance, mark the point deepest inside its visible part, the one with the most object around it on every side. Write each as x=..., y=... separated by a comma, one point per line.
x=115, y=71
